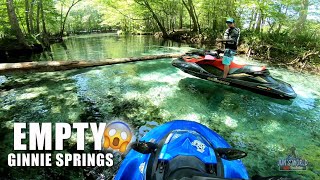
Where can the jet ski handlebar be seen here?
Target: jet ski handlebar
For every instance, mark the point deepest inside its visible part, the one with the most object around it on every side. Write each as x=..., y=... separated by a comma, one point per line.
x=144, y=147
x=225, y=153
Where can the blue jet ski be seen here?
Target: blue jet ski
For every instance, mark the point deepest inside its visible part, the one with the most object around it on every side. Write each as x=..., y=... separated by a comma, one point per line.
x=182, y=150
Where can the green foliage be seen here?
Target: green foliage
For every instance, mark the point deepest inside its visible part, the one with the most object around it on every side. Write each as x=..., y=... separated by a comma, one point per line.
x=130, y=15
x=283, y=47
x=280, y=24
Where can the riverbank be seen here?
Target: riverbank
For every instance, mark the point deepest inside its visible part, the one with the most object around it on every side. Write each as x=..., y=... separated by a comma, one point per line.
x=268, y=48
x=296, y=67
x=262, y=50
x=12, y=51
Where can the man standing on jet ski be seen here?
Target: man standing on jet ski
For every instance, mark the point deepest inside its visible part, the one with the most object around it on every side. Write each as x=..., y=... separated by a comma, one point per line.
x=231, y=39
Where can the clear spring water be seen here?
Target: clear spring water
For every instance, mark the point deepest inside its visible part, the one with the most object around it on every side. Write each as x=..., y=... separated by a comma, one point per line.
x=141, y=92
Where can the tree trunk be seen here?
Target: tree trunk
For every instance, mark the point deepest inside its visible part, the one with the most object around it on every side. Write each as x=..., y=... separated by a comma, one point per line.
x=27, y=15
x=302, y=16
x=190, y=8
x=61, y=17
x=45, y=66
x=168, y=24
x=155, y=17
x=181, y=19
x=271, y=26
x=44, y=30
x=64, y=22
x=196, y=15
x=263, y=21
x=31, y=17
x=254, y=20
x=89, y=24
x=174, y=23
x=258, y=25
x=280, y=24
x=45, y=38
x=66, y=16
x=251, y=19
x=38, y=18
x=15, y=27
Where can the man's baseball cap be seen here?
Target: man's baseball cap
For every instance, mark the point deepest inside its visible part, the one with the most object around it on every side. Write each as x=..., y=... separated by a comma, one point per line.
x=230, y=20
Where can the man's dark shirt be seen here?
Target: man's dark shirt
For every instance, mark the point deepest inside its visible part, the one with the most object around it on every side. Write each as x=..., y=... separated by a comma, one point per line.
x=234, y=34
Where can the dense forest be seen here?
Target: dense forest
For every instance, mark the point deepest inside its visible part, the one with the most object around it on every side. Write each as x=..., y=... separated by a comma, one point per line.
x=281, y=31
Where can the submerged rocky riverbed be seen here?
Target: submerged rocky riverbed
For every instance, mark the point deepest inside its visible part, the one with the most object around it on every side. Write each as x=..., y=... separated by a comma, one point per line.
x=154, y=91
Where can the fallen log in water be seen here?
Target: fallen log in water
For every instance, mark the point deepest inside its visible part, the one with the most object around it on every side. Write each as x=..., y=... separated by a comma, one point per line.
x=45, y=66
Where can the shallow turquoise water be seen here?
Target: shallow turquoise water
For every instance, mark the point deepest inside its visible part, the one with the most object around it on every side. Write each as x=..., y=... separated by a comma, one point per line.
x=266, y=128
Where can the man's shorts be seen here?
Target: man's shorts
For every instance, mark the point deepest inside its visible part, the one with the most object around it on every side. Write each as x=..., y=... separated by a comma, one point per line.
x=228, y=57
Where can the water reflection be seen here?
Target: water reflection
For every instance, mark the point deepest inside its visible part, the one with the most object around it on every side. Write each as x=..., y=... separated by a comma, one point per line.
x=103, y=46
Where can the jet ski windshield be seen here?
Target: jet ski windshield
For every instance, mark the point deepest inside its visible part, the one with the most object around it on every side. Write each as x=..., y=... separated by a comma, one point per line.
x=184, y=142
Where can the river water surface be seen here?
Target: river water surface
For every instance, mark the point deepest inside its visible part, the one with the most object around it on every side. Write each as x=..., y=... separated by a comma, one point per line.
x=267, y=129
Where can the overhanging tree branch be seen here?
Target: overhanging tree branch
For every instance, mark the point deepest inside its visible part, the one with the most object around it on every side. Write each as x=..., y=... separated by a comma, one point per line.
x=66, y=16
x=146, y=4
x=134, y=19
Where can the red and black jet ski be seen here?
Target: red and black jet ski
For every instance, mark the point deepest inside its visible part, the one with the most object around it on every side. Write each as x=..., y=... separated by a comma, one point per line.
x=208, y=65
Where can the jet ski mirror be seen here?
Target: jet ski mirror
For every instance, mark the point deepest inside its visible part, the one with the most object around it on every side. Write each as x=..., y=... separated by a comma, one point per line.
x=230, y=153
x=144, y=147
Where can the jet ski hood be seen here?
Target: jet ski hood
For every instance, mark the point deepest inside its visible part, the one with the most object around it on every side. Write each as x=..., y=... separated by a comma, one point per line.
x=183, y=149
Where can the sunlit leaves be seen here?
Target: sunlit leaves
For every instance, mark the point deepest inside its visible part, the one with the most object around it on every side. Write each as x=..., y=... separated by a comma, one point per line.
x=131, y=15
